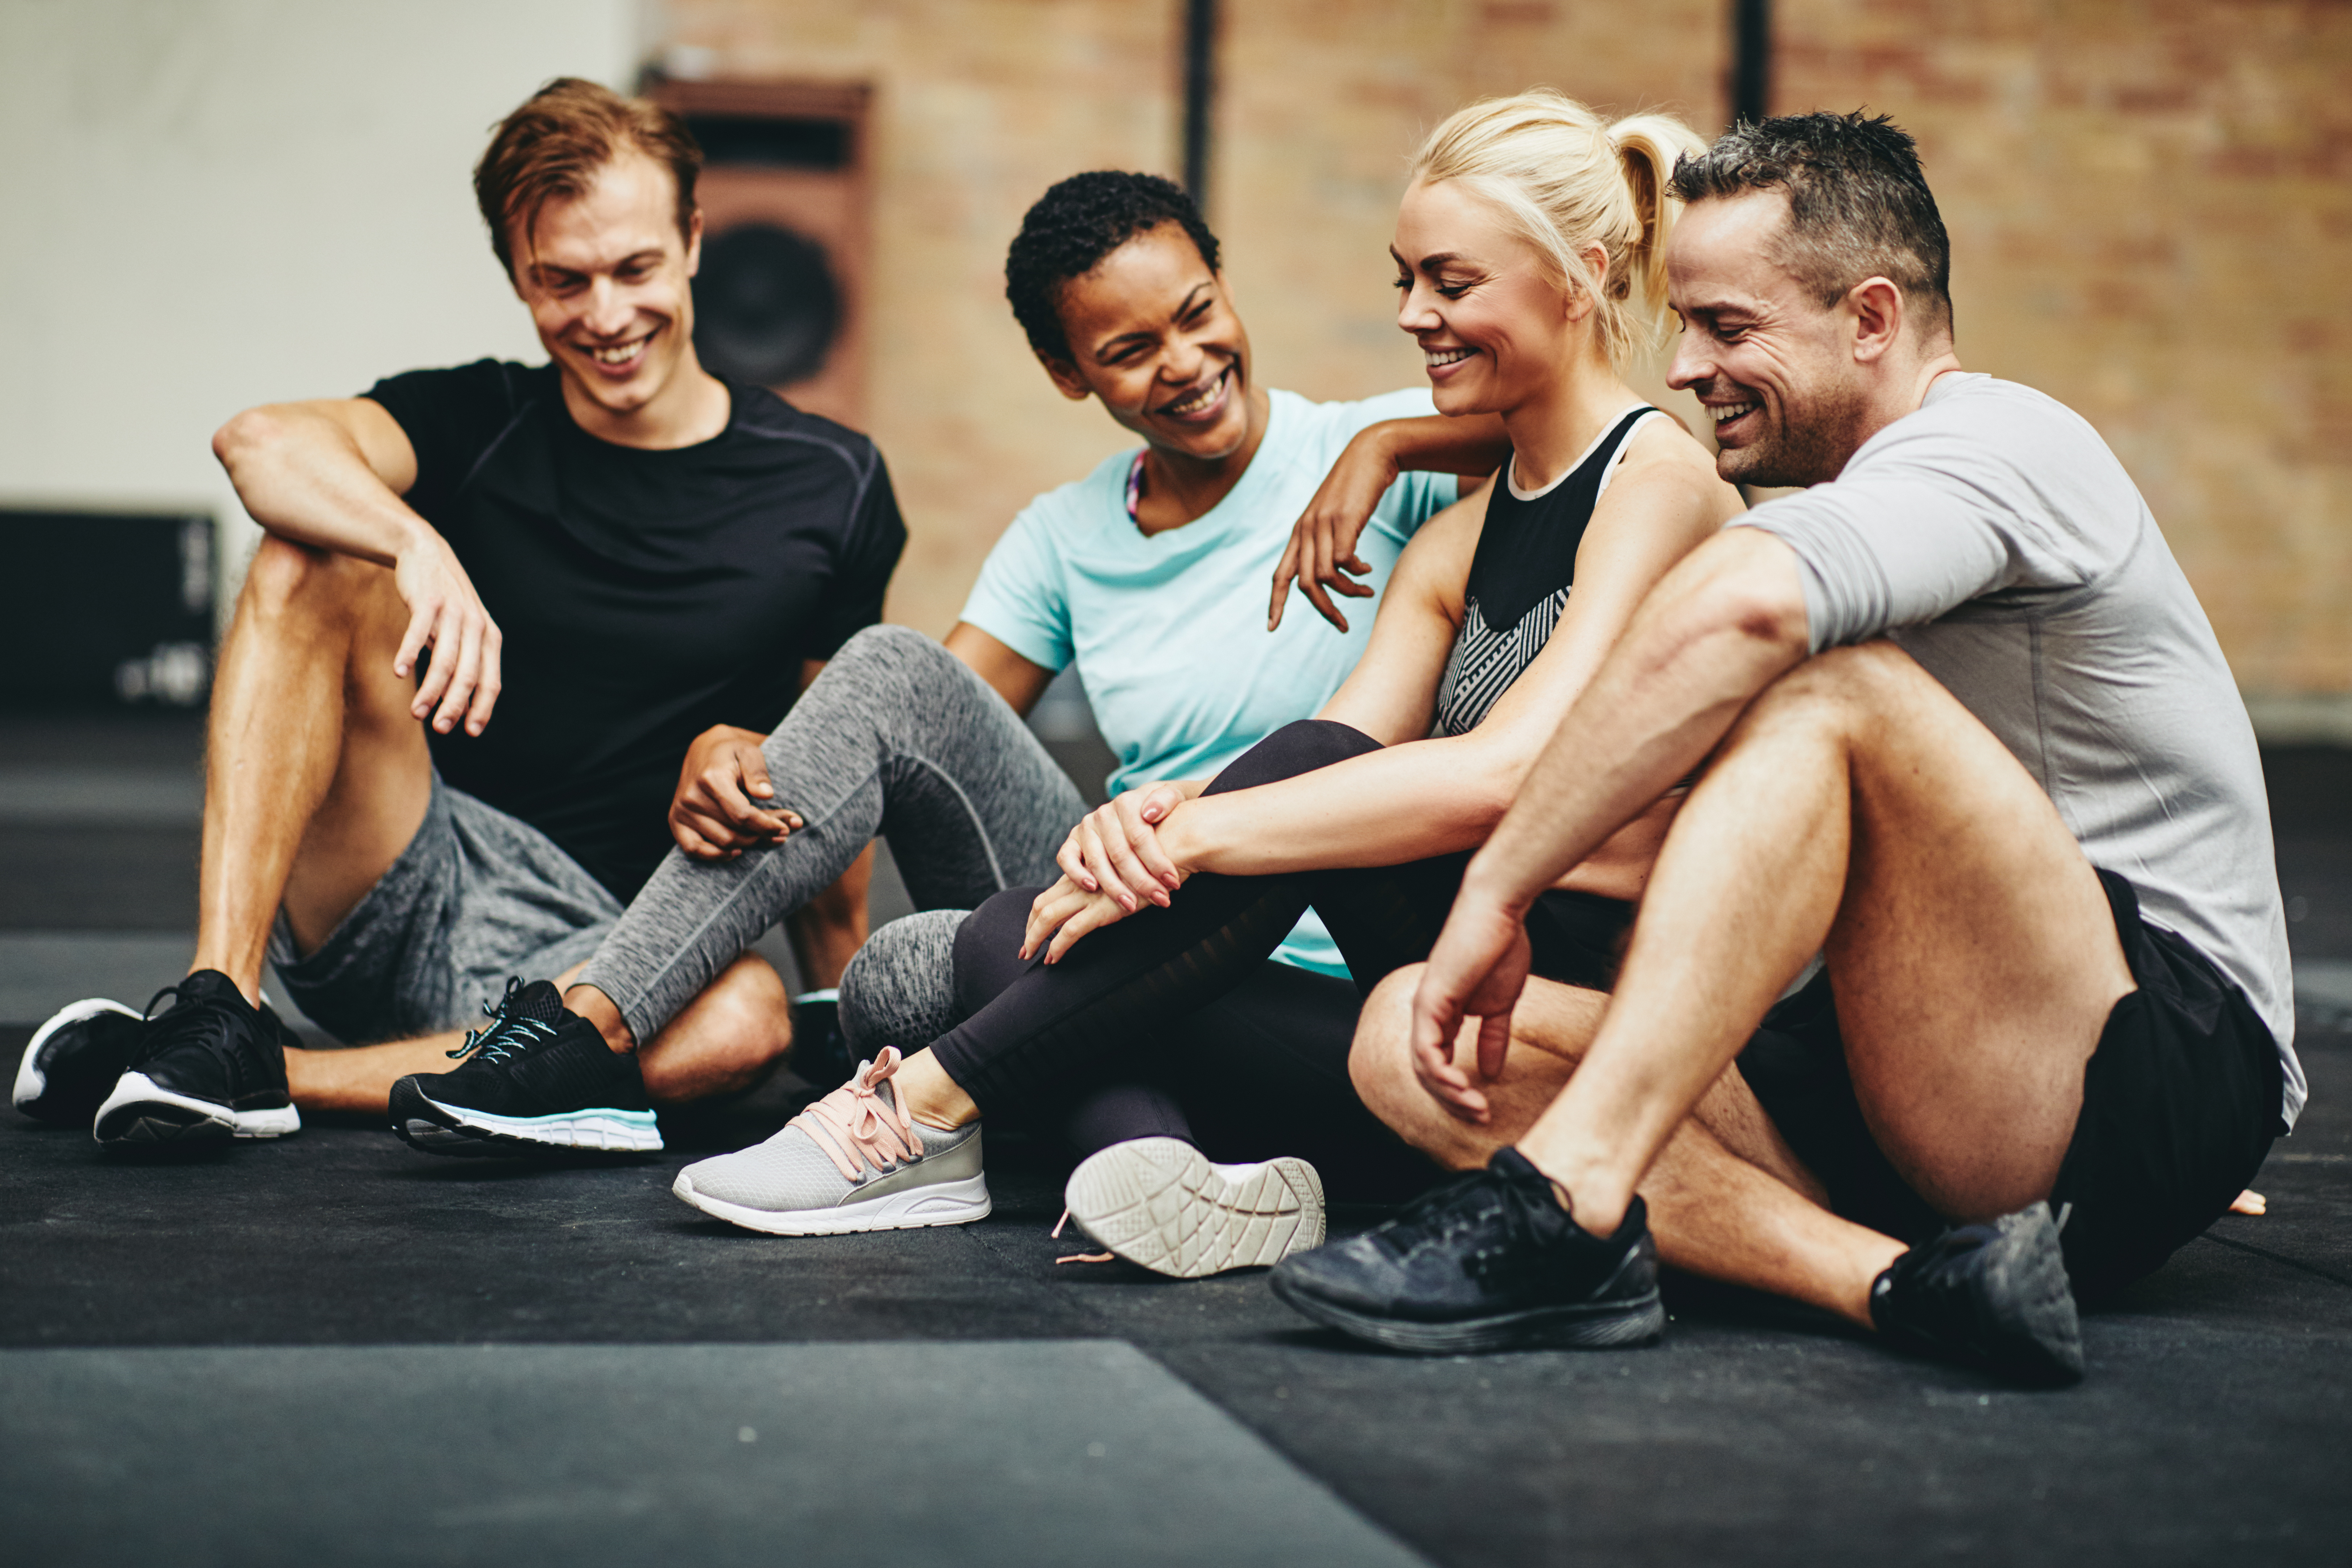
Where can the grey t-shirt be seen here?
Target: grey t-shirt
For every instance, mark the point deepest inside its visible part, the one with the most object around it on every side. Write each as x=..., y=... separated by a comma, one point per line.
x=1994, y=538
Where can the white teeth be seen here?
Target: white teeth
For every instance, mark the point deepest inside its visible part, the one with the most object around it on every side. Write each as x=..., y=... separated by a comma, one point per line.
x=618, y=354
x=1446, y=356
x=1199, y=400
x=1733, y=411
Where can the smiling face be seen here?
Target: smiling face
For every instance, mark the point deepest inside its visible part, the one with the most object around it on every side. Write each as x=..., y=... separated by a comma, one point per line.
x=607, y=278
x=1496, y=327
x=1775, y=368
x=1153, y=335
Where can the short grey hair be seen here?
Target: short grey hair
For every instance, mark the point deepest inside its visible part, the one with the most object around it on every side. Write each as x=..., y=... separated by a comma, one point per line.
x=1859, y=206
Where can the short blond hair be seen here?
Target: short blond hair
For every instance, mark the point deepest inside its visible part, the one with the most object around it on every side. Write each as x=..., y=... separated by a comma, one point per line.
x=1566, y=181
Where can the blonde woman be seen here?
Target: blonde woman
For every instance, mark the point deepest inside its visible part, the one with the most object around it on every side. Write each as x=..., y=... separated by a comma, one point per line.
x=1529, y=252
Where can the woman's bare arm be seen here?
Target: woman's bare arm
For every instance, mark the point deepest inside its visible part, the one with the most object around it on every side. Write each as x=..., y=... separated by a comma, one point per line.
x=1434, y=797
x=1388, y=695
x=1321, y=558
x=1019, y=680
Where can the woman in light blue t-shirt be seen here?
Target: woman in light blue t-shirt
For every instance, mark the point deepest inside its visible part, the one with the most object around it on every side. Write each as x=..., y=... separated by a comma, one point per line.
x=1529, y=253
x=1150, y=575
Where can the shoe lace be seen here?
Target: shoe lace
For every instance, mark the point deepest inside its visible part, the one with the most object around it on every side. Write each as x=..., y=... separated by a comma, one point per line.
x=1468, y=1202
x=203, y=1019
x=855, y=1122
x=1938, y=1277
x=507, y=1034
x=1056, y=1234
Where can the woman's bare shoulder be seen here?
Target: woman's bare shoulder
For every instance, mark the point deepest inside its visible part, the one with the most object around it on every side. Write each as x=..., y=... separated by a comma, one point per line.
x=1665, y=462
x=1436, y=563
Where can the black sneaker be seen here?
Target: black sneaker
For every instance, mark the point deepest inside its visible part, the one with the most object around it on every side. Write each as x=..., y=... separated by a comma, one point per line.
x=821, y=1055
x=71, y=1063
x=1994, y=1297
x=210, y=1066
x=537, y=1078
x=1487, y=1262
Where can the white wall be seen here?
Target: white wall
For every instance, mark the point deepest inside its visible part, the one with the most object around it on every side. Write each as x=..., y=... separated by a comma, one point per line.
x=210, y=203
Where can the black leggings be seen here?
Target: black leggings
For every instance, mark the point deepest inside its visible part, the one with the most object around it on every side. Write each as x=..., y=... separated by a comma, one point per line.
x=1031, y=1031
x=1260, y=1071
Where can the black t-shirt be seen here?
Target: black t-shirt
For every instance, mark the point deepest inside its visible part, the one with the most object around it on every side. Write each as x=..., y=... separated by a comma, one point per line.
x=644, y=595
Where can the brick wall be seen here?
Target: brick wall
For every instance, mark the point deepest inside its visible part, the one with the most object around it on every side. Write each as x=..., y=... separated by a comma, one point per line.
x=1322, y=104
x=2150, y=204
x=981, y=104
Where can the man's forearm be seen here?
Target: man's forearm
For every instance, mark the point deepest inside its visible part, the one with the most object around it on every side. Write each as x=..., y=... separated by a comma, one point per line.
x=302, y=477
x=1722, y=626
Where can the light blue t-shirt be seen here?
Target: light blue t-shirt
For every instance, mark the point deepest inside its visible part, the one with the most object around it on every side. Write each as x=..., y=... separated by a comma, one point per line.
x=1168, y=630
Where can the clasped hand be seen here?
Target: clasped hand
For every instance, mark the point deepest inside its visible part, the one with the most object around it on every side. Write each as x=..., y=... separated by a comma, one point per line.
x=725, y=804
x=1112, y=865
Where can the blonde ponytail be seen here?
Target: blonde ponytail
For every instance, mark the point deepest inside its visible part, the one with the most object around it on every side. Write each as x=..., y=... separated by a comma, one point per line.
x=1567, y=181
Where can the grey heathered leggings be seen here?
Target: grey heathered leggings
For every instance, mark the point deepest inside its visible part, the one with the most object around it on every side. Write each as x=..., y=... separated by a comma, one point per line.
x=897, y=739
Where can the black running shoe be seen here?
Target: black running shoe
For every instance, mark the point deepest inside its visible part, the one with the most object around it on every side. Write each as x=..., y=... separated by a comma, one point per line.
x=820, y=1054
x=1994, y=1297
x=72, y=1061
x=537, y=1078
x=1487, y=1262
x=210, y=1066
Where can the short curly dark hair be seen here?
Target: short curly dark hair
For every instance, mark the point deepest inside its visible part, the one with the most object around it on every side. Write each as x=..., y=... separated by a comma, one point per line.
x=1072, y=227
x=1858, y=203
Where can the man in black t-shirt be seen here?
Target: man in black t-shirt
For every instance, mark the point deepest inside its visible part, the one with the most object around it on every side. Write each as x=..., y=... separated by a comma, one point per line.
x=495, y=608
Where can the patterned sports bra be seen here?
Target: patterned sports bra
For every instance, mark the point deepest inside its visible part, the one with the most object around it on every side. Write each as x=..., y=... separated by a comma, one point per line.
x=1520, y=575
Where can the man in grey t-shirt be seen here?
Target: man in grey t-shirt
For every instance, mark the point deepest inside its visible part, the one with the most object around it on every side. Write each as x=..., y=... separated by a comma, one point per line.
x=1967, y=735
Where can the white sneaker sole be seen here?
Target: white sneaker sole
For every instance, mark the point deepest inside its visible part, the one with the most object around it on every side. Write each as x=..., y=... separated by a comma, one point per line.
x=1159, y=1203
x=622, y=1131
x=941, y=1203
x=183, y=1116
x=31, y=1081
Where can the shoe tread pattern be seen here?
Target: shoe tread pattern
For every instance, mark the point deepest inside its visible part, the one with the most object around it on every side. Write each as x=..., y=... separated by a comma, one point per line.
x=1159, y=1203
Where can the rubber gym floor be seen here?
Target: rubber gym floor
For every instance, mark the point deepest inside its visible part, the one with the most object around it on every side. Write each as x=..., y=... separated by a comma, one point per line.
x=332, y=1350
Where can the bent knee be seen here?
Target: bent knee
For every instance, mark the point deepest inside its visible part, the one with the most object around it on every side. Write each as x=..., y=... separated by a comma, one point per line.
x=1842, y=685
x=282, y=570
x=1380, y=1065
x=1380, y=1062
x=896, y=670
x=285, y=577
x=1299, y=747
x=725, y=1040
x=899, y=989
x=887, y=649
x=987, y=947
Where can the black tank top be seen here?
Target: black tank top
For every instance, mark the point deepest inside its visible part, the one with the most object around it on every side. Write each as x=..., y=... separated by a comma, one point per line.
x=1520, y=576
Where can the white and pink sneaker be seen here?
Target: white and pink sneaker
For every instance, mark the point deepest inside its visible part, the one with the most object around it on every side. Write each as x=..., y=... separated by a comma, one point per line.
x=1159, y=1203
x=852, y=1161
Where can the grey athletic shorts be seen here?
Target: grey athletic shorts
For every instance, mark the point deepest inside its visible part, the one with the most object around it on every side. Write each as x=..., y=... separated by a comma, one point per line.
x=476, y=897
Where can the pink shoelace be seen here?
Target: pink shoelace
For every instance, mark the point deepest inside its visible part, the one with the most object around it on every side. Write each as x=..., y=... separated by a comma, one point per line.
x=854, y=1122
x=1056, y=1234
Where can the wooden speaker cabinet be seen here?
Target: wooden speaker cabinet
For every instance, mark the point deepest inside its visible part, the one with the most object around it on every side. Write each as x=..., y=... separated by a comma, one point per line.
x=781, y=299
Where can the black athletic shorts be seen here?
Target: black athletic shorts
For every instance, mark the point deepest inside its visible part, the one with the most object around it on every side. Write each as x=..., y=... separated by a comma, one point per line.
x=2181, y=1104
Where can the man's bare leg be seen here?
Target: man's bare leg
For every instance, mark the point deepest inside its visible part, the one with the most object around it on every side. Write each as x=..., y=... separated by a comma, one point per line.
x=1727, y=1199
x=316, y=776
x=1858, y=805
x=727, y=1038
